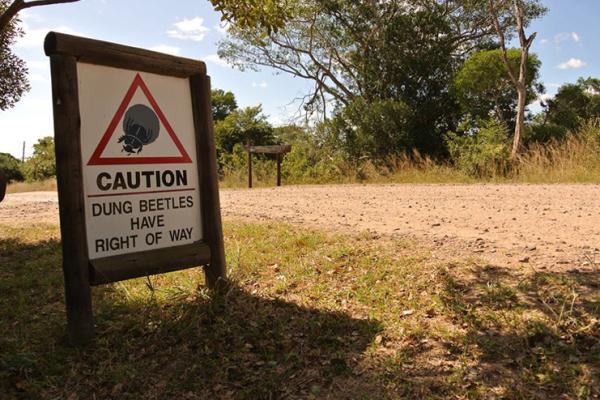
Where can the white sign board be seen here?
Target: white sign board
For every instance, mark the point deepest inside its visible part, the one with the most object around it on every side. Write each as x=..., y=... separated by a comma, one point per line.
x=138, y=149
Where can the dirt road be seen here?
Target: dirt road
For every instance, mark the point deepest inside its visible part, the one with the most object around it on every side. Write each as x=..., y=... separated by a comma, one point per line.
x=553, y=227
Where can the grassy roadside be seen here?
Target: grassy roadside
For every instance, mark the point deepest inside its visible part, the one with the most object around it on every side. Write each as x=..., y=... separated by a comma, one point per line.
x=308, y=315
x=38, y=186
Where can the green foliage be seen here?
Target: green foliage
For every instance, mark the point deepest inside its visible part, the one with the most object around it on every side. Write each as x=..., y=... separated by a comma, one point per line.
x=309, y=160
x=575, y=103
x=264, y=14
x=484, y=89
x=242, y=126
x=370, y=129
x=223, y=104
x=385, y=51
x=544, y=133
x=481, y=151
x=42, y=165
x=11, y=167
x=13, y=71
x=411, y=62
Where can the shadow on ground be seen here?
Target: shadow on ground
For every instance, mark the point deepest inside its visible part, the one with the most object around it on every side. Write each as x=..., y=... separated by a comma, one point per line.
x=196, y=346
x=534, y=335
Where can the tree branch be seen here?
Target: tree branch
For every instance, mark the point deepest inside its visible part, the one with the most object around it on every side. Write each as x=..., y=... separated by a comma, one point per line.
x=19, y=5
x=496, y=22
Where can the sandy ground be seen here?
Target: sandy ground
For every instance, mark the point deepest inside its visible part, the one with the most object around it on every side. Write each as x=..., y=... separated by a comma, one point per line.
x=554, y=227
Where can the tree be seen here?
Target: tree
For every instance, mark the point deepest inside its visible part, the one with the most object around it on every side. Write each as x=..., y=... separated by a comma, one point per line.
x=353, y=50
x=574, y=104
x=519, y=79
x=42, y=165
x=265, y=14
x=484, y=90
x=223, y=104
x=396, y=50
x=13, y=71
x=243, y=126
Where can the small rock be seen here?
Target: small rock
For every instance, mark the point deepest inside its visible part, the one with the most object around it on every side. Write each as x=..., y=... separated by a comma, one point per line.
x=524, y=259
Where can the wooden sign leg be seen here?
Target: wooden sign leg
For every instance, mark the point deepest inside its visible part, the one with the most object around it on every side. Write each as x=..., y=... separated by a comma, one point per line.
x=278, y=169
x=209, y=181
x=78, y=296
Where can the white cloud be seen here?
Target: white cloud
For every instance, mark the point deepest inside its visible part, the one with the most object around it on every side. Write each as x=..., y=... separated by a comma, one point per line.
x=573, y=63
x=35, y=37
x=165, y=48
x=215, y=59
x=261, y=85
x=553, y=85
x=189, y=29
x=544, y=41
x=566, y=36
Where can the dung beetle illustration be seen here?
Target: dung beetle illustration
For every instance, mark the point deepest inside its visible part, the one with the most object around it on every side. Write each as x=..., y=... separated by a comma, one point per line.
x=141, y=128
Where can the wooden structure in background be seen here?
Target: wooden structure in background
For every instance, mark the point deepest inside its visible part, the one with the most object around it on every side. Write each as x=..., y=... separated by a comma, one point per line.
x=279, y=150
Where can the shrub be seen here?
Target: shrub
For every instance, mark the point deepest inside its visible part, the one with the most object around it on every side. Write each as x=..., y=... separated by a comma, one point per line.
x=544, y=133
x=483, y=151
x=42, y=165
x=11, y=167
x=373, y=130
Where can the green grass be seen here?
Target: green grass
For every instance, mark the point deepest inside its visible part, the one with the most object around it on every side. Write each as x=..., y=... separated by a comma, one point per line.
x=307, y=315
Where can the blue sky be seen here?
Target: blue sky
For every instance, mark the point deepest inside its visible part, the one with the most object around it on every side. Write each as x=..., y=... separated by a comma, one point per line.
x=567, y=44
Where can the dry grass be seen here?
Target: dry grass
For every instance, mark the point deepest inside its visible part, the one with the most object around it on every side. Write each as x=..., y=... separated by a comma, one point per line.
x=573, y=160
x=39, y=186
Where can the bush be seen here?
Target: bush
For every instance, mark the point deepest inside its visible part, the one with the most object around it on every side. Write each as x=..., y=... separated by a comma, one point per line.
x=11, y=167
x=544, y=133
x=242, y=126
x=42, y=165
x=483, y=151
x=373, y=130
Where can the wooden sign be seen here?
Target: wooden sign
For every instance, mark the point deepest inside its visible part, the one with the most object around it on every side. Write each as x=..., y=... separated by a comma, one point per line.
x=136, y=168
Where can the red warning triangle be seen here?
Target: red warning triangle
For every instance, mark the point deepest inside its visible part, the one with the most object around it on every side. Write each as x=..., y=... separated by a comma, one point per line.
x=98, y=159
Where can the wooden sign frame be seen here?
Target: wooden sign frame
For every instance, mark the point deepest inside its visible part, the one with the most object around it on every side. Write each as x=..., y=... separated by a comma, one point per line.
x=80, y=273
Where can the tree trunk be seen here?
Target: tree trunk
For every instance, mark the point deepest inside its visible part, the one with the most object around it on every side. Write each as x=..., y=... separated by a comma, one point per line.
x=520, y=125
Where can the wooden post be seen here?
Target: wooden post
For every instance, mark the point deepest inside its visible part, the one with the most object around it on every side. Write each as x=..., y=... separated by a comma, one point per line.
x=78, y=297
x=209, y=192
x=249, y=169
x=278, y=169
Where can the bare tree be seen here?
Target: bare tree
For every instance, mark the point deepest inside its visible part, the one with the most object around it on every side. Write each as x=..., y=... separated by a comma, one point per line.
x=519, y=80
x=18, y=5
